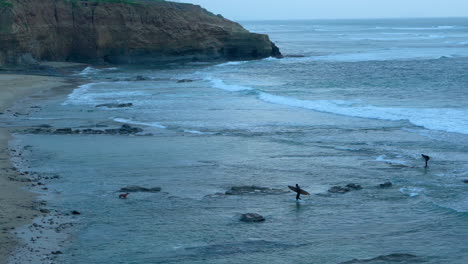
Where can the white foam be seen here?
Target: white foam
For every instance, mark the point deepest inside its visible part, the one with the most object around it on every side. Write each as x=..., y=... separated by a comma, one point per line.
x=84, y=96
x=220, y=84
x=231, y=63
x=90, y=70
x=198, y=132
x=443, y=119
x=128, y=121
x=382, y=158
x=412, y=191
x=78, y=93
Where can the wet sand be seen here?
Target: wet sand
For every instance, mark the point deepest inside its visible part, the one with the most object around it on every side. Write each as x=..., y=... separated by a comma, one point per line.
x=16, y=203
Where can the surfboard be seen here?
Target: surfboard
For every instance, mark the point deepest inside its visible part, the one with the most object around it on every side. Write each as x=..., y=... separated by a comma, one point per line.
x=294, y=189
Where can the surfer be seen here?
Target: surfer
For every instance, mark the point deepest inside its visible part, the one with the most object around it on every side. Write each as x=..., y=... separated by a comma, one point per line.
x=298, y=190
x=298, y=195
x=426, y=158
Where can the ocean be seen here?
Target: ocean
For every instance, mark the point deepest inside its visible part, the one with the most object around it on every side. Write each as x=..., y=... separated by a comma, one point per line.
x=353, y=101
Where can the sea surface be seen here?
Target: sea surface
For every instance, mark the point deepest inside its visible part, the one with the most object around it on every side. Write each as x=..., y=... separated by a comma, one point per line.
x=354, y=101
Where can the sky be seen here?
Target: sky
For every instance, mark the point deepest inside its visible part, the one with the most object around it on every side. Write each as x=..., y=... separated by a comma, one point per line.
x=330, y=9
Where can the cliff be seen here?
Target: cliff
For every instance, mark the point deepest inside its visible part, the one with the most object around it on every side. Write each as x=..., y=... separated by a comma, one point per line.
x=122, y=31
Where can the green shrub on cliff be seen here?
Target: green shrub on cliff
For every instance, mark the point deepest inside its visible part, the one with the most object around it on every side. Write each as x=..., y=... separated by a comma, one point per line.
x=5, y=3
x=132, y=2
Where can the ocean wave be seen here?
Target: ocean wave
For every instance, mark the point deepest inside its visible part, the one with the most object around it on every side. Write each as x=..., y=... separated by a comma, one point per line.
x=220, y=84
x=402, y=38
x=84, y=96
x=444, y=119
x=388, y=55
x=419, y=28
x=78, y=93
x=133, y=122
x=91, y=70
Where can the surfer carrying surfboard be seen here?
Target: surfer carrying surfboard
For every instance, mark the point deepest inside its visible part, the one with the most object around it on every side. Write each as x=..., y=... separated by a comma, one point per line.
x=299, y=191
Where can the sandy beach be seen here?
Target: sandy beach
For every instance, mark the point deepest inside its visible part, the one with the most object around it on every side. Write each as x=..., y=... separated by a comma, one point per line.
x=16, y=204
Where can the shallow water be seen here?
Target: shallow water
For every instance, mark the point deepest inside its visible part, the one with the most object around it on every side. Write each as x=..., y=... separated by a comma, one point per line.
x=356, y=109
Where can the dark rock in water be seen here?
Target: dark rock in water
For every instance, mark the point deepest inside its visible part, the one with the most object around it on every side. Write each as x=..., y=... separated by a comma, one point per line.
x=251, y=218
x=115, y=105
x=385, y=185
x=58, y=252
x=142, y=78
x=338, y=189
x=185, y=81
x=63, y=131
x=125, y=129
x=139, y=189
x=465, y=181
x=44, y=211
x=92, y=131
x=75, y=212
x=354, y=186
x=240, y=190
x=392, y=258
x=44, y=126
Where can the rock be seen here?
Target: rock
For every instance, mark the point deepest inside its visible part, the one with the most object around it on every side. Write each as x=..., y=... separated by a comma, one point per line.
x=338, y=189
x=385, y=185
x=58, y=252
x=252, y=217
x=125, y=129
x=115, y=105
x=240, y=190
x=142, y=78
x=135, y=188
x=44, y=126
x=465, y=181
x=123, y=32
x=44, y=211
x=185, y=81
x=392, y=258
x=354, y=186
x=75, y=212
x=63, y=131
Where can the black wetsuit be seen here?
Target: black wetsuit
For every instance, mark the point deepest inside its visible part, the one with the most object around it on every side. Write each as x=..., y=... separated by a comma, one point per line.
x=298, y=196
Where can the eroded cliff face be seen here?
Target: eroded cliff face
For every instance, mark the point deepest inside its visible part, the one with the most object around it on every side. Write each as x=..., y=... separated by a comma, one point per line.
x=145, y=32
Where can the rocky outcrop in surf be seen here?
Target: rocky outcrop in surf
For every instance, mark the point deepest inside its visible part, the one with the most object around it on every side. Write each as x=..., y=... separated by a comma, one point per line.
x=392, y=258
x=242, y=190
x=122, y=32
x=135, y=188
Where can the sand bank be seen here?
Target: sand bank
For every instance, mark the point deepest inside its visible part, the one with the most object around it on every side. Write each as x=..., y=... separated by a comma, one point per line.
x=16, y=204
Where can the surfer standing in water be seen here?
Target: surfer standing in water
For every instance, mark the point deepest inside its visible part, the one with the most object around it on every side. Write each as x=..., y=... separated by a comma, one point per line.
x=298, y=195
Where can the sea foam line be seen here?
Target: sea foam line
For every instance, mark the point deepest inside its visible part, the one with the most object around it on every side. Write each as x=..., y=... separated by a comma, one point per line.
x=443, y=119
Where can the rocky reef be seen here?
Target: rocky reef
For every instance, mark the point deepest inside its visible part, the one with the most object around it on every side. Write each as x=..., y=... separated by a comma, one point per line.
x=122, y=32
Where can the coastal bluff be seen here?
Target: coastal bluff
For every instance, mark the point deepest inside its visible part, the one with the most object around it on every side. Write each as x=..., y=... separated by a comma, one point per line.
x=122, y=32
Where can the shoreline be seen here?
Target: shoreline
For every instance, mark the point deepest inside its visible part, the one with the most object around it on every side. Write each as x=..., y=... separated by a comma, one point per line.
x=19, y=206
